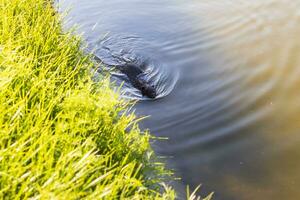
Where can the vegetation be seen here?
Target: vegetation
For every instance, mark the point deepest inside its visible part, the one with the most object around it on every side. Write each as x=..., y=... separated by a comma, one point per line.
x=63, y=135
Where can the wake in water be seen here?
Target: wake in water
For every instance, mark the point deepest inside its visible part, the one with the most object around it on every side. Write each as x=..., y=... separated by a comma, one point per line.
x=139, y=78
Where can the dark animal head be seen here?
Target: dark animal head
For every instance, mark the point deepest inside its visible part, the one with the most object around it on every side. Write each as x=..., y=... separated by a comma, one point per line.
x=149, y=91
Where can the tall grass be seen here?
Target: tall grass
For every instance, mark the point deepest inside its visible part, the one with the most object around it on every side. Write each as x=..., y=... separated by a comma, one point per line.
x=63, y=136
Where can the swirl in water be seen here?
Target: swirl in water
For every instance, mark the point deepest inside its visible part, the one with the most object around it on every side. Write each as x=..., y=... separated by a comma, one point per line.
x=151, y=73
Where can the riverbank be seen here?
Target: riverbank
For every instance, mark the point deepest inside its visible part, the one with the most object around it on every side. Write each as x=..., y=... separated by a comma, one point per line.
x=62, y=136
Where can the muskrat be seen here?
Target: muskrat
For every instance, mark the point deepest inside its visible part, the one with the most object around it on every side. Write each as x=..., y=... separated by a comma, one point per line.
x=136, y=76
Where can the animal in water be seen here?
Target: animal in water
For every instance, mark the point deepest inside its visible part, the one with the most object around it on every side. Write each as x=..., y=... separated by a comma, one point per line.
x=137, y=78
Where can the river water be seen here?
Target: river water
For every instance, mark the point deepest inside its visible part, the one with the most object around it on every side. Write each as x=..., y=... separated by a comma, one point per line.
x=228, y=73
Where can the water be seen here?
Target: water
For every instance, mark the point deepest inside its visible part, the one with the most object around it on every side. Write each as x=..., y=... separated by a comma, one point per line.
x=229, y=76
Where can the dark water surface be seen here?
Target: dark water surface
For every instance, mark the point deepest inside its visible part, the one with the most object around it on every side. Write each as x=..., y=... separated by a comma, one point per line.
x=228, y=72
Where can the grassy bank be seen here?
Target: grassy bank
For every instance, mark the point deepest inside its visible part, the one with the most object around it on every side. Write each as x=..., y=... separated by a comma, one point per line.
x=63, y=136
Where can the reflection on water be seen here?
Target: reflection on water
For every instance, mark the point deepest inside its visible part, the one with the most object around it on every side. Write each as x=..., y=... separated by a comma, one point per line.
x=233, y=118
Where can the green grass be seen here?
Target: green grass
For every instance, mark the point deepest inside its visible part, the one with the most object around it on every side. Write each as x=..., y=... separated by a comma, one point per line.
x=62, y=135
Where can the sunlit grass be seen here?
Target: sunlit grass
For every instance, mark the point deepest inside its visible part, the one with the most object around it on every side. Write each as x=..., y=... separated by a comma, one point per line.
x=63, y=136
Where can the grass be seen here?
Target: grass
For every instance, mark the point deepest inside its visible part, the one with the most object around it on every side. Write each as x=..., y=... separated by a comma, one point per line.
x=62, y=135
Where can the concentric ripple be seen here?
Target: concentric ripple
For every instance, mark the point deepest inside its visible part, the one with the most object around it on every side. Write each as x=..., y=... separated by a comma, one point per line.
x=125, y=49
